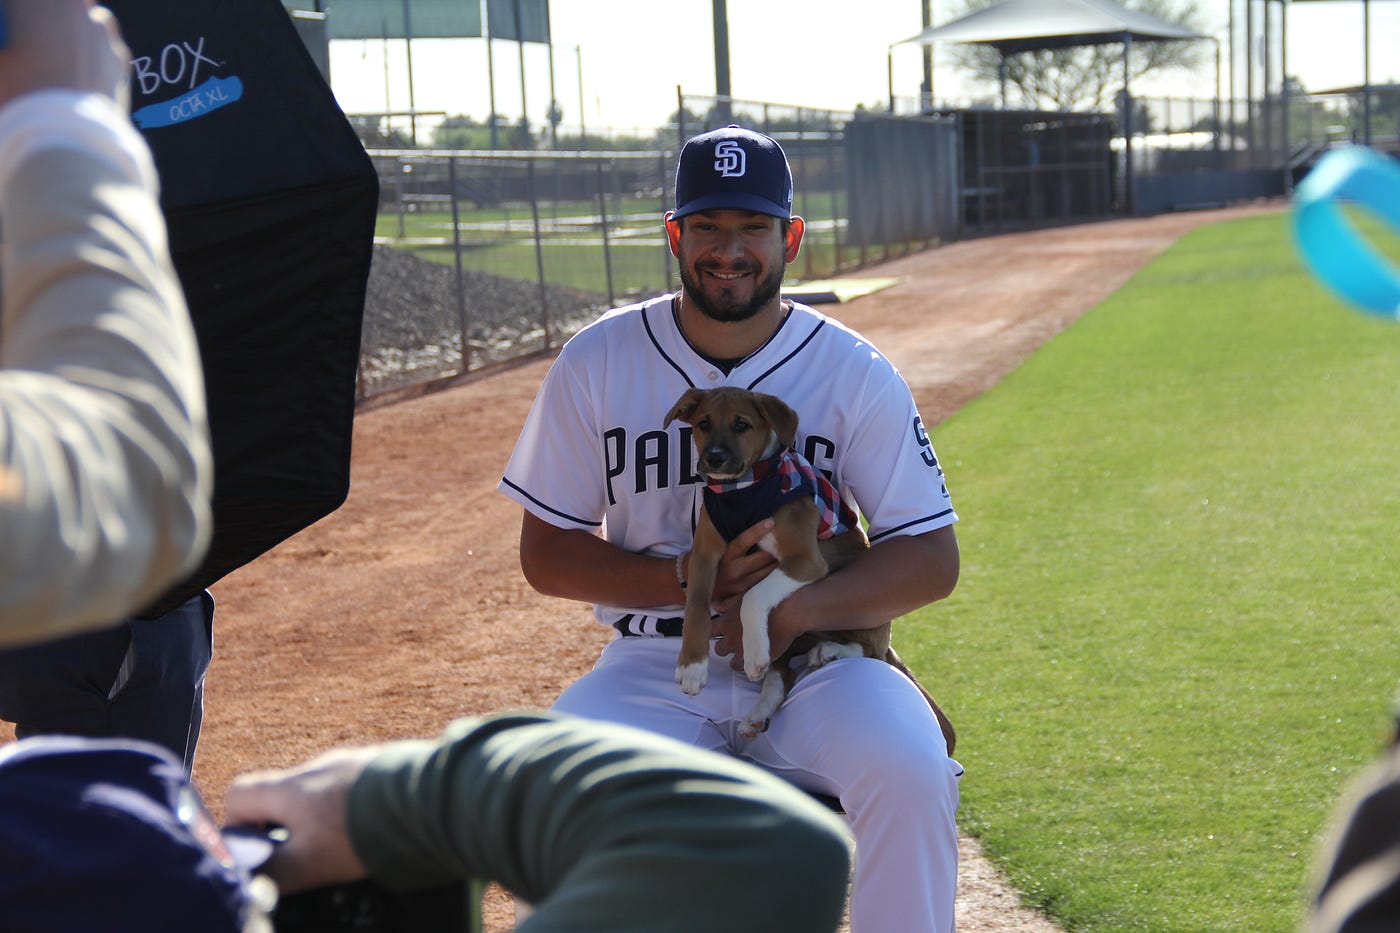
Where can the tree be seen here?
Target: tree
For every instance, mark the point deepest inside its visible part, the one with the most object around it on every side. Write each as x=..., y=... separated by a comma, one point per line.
x=376, y=133
x=1084, y=77
x=687, y=118
x=461, y=132
x=521, y=136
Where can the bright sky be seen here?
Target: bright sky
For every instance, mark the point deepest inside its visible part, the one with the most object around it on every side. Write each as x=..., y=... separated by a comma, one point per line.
x=813, y=53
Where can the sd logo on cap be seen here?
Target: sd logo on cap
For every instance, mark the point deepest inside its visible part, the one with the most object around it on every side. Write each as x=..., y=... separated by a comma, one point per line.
x=733, y=169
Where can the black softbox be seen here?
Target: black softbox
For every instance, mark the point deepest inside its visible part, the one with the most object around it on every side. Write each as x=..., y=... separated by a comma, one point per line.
x=270, y=200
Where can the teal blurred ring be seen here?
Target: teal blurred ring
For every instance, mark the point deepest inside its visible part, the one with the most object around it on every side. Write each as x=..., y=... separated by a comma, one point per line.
x=1331, y=246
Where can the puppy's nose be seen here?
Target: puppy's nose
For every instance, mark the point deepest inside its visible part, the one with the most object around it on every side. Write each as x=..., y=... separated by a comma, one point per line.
x=716, y=457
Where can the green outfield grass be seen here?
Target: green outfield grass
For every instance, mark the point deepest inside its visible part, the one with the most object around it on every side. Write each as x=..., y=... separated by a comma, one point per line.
x=1177, y=634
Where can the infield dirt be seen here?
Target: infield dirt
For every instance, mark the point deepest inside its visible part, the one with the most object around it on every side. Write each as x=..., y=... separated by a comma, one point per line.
x=406, y=607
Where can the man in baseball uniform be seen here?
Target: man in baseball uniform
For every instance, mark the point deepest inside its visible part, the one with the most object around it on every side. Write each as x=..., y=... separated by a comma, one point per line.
x=611, y=497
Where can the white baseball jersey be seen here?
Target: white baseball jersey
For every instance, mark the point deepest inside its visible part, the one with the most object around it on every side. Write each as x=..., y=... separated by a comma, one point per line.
x=593, y=453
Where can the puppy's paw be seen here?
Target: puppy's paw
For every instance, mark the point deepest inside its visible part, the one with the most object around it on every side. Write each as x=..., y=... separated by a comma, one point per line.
x=770, y=697
x=827, y=651
x=755, y=668
x=752, y=727
x=757, y=650
x=693, y=677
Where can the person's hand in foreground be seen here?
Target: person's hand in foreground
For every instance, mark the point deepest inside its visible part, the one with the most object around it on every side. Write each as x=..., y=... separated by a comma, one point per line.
x=309, y=801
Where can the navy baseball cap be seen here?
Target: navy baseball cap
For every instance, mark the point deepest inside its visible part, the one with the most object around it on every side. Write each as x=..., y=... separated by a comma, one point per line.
x=733, y=169
x=109, y=834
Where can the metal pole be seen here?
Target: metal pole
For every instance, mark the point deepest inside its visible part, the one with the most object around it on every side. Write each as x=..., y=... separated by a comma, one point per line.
x=491, y=75
x=1249, y=76
x=665, y=188
x=539, y=240
x=926, y=89
x=603, y=227
x=889, y=73
x=1231, y=98
x=1268, y=96
x=408, y=48
x=803, y=157
x=1283, y=70
x=404, y=168
x=553, y=101
x=384, y=33
x=1366, y=84
x=681, y=134
x=457, y=260
x=1217, y=98
x=524, y=108
x=722, y=92
x=831, y=173
x=582, y=125
x=1127, y=127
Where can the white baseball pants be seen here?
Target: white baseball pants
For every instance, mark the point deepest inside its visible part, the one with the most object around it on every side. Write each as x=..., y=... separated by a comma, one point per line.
x=856, y=729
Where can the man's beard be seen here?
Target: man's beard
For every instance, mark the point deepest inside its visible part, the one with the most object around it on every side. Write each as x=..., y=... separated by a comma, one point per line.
x=727, y=310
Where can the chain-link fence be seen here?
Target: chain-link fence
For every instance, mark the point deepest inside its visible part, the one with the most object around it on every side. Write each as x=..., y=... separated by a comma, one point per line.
x=1182, y=134
x=487, y=256
x=483, y=257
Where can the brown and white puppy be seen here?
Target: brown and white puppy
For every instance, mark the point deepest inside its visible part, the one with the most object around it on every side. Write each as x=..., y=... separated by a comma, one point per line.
x=733, y=430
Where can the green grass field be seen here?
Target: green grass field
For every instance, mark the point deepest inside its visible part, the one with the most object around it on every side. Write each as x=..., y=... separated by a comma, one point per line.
x=1177, y=634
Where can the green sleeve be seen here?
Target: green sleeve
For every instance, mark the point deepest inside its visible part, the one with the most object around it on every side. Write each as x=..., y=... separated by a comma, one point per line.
x=601, y=827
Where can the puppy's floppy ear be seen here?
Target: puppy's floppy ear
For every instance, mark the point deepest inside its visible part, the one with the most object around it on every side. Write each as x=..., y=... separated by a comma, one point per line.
x=685, y=406
x=780, y=417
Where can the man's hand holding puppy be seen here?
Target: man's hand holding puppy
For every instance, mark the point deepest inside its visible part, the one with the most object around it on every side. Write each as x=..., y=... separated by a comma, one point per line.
x=899, y=571
x=827, y=604
x=741, y=567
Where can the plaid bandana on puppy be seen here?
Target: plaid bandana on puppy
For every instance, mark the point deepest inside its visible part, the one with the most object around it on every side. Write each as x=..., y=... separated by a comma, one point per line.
x=737, y=504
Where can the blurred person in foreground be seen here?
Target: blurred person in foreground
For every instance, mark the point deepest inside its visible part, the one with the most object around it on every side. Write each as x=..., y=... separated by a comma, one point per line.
x=598, y=826
x=1356, y=872
x=105, y=469
x=601, y=827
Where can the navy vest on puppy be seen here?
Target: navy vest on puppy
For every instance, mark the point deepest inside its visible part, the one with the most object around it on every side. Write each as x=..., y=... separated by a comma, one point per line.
x=737, y=505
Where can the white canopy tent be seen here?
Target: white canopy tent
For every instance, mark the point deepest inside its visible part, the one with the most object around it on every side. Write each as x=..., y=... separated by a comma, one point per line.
x=1015, y=26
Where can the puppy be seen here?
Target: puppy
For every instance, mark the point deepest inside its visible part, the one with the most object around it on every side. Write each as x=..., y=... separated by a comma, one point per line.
x=745, y=444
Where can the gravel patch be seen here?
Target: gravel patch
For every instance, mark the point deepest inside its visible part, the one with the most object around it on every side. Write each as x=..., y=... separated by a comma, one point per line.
x=414, y=324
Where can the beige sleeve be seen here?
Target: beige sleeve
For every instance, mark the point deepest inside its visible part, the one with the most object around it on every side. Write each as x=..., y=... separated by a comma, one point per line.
x=105, y=467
